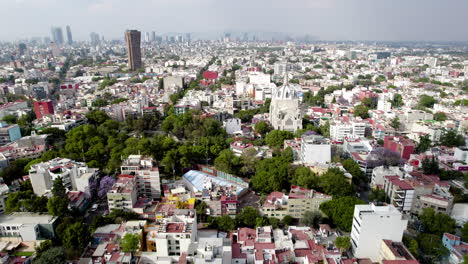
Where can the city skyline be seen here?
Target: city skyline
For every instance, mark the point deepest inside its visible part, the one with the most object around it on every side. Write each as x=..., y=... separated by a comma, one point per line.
x=326, y=19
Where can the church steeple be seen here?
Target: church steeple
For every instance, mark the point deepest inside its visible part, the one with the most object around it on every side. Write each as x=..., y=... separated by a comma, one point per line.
x=286, y=79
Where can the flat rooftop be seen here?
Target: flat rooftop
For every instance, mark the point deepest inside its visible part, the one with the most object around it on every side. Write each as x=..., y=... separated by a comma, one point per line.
x=198, y=178
x=19, y=218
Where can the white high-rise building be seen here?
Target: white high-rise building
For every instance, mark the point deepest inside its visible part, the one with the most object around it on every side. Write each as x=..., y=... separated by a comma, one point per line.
x=372, y=224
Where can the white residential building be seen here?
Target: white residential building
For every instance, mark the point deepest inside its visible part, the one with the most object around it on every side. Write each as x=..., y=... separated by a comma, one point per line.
x=339, y=131
x=372, y=224
x=123, y=194
x=27, y=226
x=384, y=105
x=314, y=149
x=147, y=175
x=4, y=190
x=76, y=176
x=400, y=192
x=216, y=250
x=359, y=129
x=379, y=173
x=176, y=235
x=232, y=126
x=461, y=154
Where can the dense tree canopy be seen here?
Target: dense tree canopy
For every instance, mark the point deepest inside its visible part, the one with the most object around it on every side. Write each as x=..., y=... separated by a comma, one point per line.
x=440, y=116
x=427, y=101
x=271, y=175
x=227, y=161
x=334, y=183
x=130, y=242
x=275, y=139
x=341, y=211
x=452, y=139
x=304, y=177
x=76, y=236
x=361, y=111
x=247, y=217
x=424, y=144
x=343, y=243
x=262, y=127
x=397, y=101
x=54, y=255
x=436, y=223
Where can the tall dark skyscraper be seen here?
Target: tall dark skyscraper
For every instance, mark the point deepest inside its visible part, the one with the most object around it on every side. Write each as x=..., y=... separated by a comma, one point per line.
x=22, y=48
x=133, y=39
x=57, y=35
x=69, y=36
x=95, y=40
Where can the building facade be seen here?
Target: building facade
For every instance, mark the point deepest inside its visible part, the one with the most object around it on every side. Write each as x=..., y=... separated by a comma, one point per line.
x=314, y=149
x=27, y=226
x=76, y=176
x=9, y=133
x=146, y=173
x=367, y=232
x=133, y=40
x=43, y=108
x=284, y=109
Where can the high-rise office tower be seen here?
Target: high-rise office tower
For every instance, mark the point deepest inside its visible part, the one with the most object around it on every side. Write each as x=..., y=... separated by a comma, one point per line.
x=94, y=38
x=22, y=48
x=188, y=37
x=147, y=37
x=69, y=36
x=133, y=39
x=57, y=35
x=153, y=36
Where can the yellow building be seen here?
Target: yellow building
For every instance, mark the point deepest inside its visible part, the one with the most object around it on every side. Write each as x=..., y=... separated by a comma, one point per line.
x=390, y=250
x=299, y=200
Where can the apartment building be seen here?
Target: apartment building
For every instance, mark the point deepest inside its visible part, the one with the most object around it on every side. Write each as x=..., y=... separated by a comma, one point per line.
x=146, y=173
x=9, y=133
x=76, y=176
x=379, y=174
x=27, y=226
x=123, y=194
x=400, y=192
x=403, y=146
x=367, y=232
x=314, y=149
x=394, y=251
x=295, y=204
x=4, y=190
x=339, y=131
x=176, y=234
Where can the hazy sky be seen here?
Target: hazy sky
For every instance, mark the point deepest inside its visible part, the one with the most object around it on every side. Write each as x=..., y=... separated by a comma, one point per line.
x=327, y=19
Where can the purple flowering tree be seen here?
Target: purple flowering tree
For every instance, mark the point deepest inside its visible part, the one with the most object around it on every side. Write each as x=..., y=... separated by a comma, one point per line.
x=384, y=157
x=105, y=185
